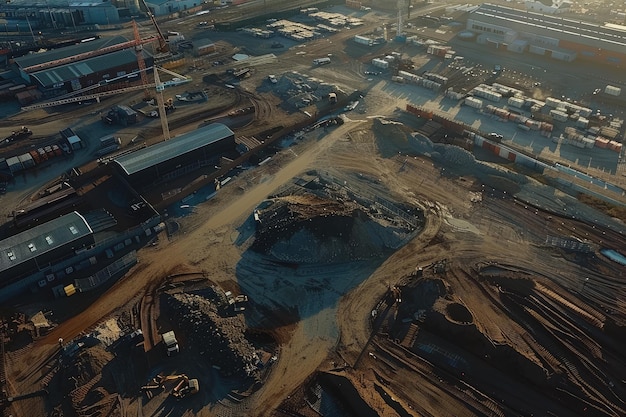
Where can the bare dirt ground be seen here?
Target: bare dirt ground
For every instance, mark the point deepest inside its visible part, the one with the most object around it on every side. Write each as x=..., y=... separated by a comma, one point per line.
x=465, y=233
x=502, y=296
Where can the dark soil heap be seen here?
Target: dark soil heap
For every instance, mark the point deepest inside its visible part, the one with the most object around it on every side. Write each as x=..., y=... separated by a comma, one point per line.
x=209, y=322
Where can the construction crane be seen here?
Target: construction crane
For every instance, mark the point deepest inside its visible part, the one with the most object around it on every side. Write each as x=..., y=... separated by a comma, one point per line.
x=71, y=98
x=163, y=46
x=401, y=6
x=140, y=61
x=159, y=98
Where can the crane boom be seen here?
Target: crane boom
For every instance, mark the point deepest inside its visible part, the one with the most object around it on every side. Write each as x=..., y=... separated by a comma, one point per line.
x=140, y=61
x=86, y=97
x=90, y=54
x=159, y=97
x=163, y=46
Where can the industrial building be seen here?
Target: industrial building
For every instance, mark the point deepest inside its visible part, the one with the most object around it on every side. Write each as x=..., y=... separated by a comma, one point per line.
x=59, y=14
x=37, y=248
x=176, y=156
x=166, y=7
x=81, y=73
x=551, y=36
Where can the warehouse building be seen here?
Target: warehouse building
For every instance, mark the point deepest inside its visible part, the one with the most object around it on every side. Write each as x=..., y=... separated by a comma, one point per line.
x=177, y=156
x=80, y=74
x=166, y=7
x=37, y=248
x=59, y=14
x=551, y=36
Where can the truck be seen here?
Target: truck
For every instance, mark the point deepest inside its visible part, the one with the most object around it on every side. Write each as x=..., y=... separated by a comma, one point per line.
x=171, y=344
x=321, y=61
x=22, y=133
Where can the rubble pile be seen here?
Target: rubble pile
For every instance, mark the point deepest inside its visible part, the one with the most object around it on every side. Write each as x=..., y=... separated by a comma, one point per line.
x=299, y=90
x=324, y=222
x=205, y=320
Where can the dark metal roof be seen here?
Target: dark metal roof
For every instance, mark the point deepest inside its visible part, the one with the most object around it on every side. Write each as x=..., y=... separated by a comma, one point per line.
x=68, y=72
x=567, y=29
x=34, y=242
x=41, y=57
x=164, y=151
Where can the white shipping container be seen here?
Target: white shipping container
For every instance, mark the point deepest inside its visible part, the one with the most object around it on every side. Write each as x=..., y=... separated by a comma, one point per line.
x=553, y=102
x=473, y=102
x=582, y=122
x=26, y=160
x=558, y=115
x=363, y=40
x=612, y=90
x=380, y=63
x=516, y=102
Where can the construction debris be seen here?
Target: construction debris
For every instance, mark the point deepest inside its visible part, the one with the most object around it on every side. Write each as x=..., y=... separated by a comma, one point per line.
x=209, y=321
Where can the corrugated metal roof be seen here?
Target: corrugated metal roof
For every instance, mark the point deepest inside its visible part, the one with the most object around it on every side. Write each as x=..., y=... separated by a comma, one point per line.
x=40, y=239
x=562, y=28
x=164, y=151
x=68, y=72
x=41, y=57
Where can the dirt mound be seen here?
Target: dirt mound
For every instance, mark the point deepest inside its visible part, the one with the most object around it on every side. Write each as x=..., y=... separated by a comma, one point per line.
x=393, y=137
x=332, y=228
x=209, y=320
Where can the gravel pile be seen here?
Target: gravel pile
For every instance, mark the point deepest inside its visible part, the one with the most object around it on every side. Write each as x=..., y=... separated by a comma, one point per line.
x=295, y=88
x=221, y=336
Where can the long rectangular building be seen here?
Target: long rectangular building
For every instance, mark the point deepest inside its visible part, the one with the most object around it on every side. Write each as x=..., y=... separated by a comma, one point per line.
x=182, y=153
x=35, y=249
x=81, y=73
x=551, y=35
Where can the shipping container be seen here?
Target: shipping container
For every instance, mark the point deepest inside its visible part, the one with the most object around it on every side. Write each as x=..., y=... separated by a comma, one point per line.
x=612, y=90
x=26, y=160
x=553, y=102
x=601, y=142
x=380, y=63
x=14, y=164
x=204, y=49
x=558, y=115
x=516, y=102
x=473, y=102
x=363, y=40
x=35, y=156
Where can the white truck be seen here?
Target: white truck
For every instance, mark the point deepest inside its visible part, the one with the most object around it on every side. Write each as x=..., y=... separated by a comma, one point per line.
x=171, y=344
x=321, y=61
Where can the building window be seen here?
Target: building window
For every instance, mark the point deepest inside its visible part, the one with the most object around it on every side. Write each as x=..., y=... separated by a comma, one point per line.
x=74, y=230
x=49, y=240
x=32, y=247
